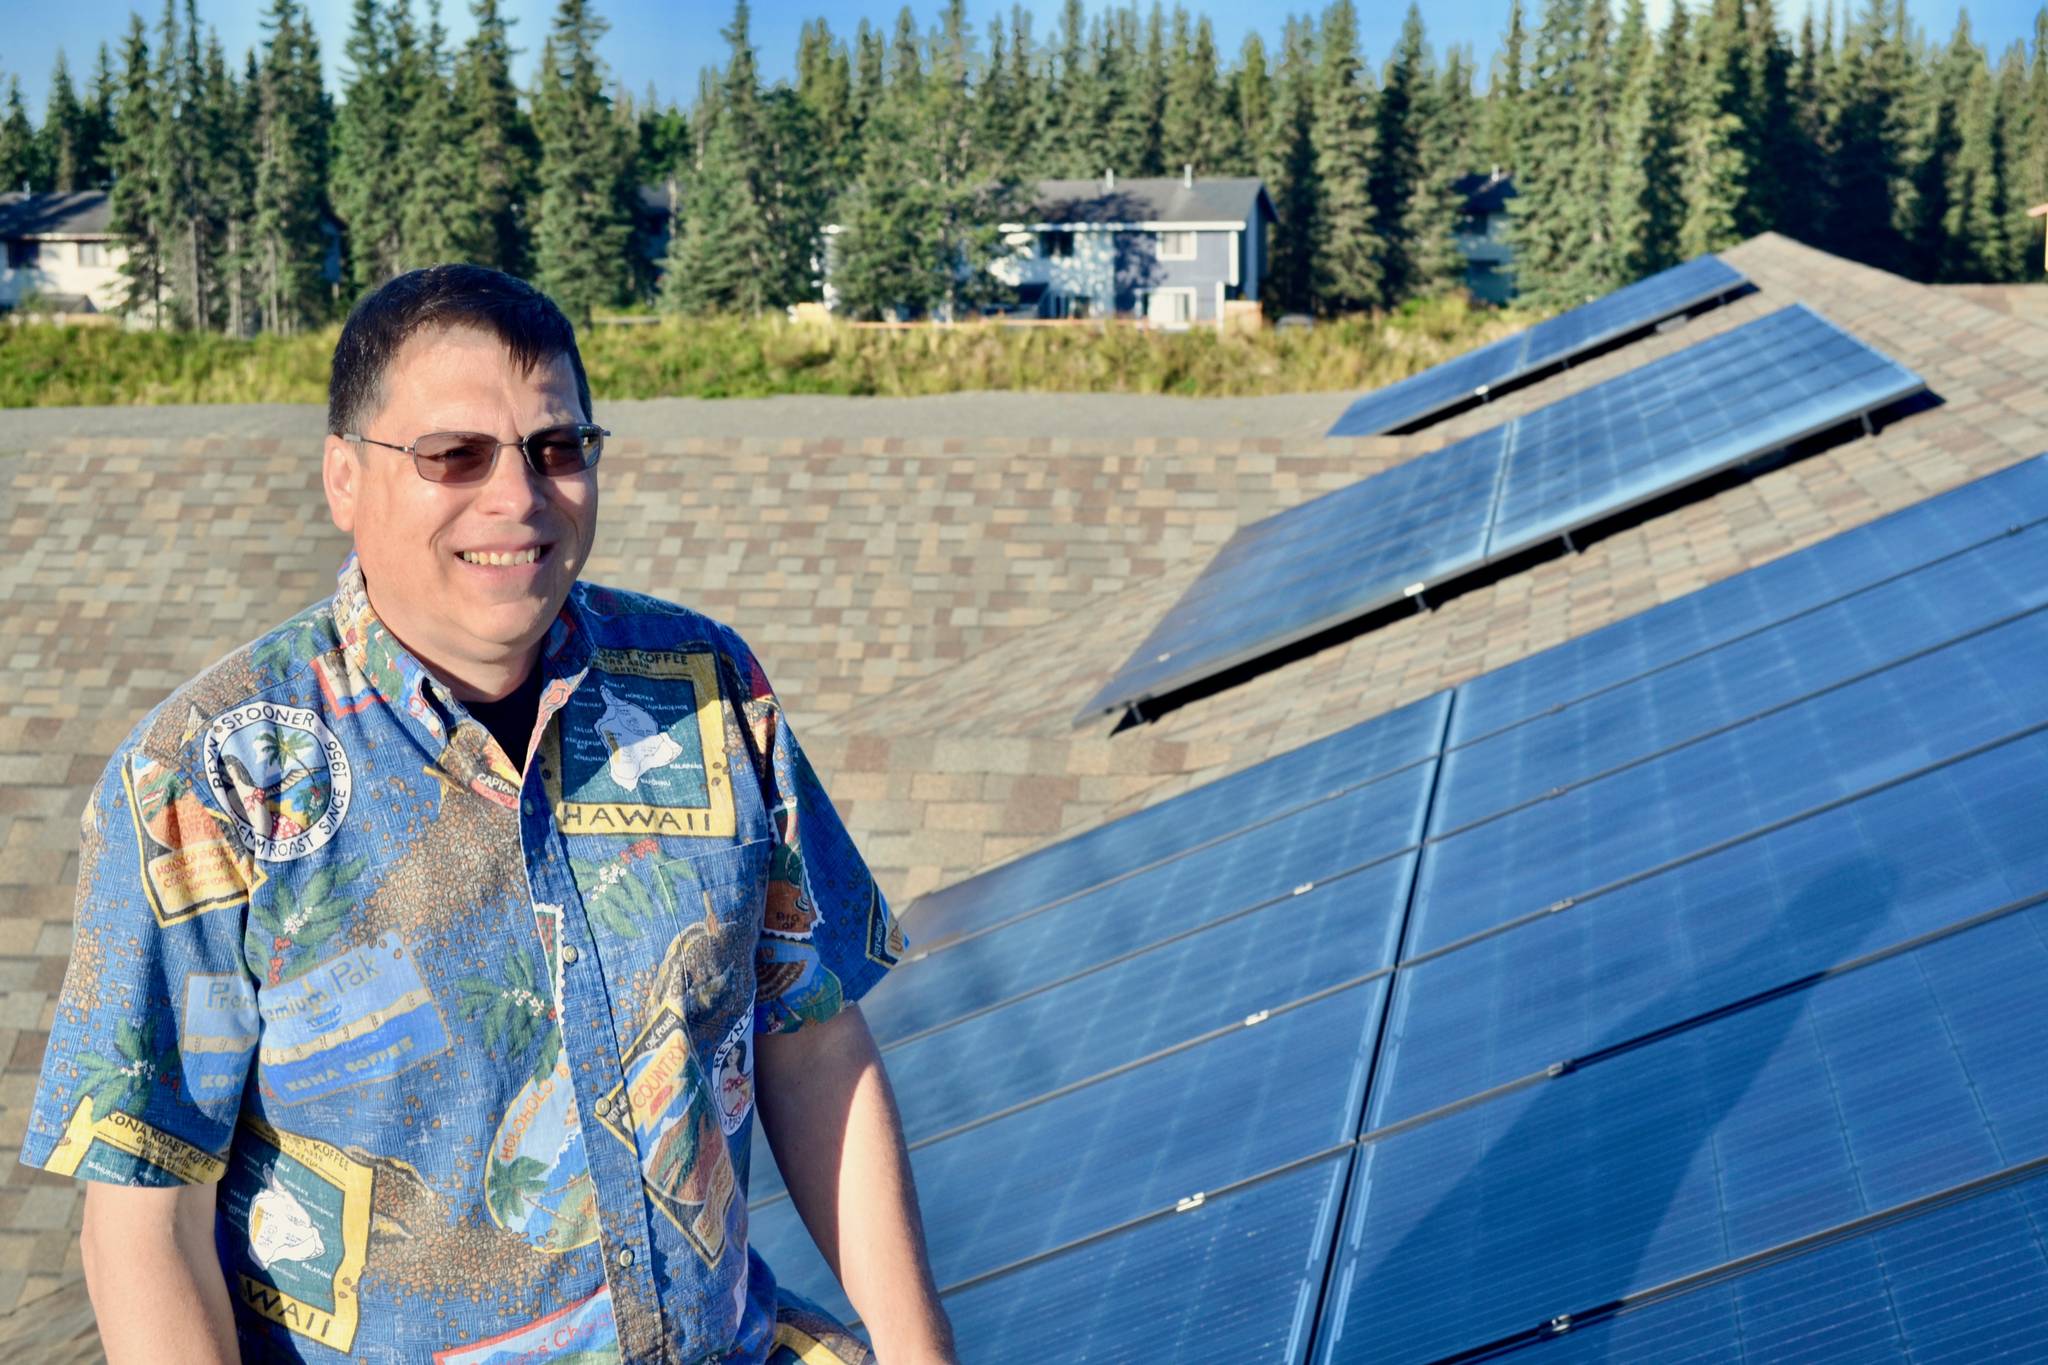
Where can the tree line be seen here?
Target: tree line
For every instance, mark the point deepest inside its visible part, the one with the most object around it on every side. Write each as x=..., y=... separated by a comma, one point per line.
x=238, y=188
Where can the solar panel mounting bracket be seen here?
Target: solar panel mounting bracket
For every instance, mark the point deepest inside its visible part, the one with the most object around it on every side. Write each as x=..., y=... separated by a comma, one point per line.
x=1193, y=1201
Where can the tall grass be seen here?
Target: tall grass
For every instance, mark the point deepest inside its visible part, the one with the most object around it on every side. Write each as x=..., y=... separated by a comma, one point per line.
x=738, y=357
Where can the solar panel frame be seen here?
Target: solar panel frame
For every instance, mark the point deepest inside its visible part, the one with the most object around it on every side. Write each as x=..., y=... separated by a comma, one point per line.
x=1413, y=402
x=1250, y=601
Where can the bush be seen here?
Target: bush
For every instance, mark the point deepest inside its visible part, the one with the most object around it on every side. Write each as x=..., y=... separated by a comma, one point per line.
x=761, y=357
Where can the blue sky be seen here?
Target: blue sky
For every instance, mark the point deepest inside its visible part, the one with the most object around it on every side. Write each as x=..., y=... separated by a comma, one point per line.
x=668, y=43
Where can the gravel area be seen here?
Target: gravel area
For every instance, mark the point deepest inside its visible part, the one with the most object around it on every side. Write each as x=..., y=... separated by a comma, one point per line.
x=967, y=415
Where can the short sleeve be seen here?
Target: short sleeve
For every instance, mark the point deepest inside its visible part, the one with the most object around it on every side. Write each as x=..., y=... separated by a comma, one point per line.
x=156, y=1025
x=827, y=934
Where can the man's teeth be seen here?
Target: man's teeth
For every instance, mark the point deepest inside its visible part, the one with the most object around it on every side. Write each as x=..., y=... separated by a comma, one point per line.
x=526, y=556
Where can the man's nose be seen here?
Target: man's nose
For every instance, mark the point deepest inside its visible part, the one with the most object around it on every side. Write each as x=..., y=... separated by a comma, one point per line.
x=511, y=489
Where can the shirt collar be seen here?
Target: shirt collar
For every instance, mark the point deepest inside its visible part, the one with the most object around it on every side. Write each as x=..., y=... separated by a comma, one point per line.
x=374, y=653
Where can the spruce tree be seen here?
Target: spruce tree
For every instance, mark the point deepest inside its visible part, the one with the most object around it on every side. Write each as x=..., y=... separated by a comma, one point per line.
x=585, y=219
x=724, y=258
x=97, y=123
x=1403, y=199
x=20, y=157
x=1867, y=181
x=288, y=247
x=1345, y=271
x=367, y=179
x=1196, y=128
x=1564, y=245
x=1251, y=90
x=134, y=200
x=64, y=132
x=1289, y=170
x=498, y=154
x=1645, y=202
x=1502, y=128
x=2031, y=146
x=431, y=220
x=1717, y=155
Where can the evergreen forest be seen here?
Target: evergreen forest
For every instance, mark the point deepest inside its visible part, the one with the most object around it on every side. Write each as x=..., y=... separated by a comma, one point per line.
x=254, y=199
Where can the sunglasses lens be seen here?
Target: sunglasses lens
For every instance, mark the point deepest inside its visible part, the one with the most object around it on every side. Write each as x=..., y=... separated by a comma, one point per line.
x=455, y=456
x=569, y=449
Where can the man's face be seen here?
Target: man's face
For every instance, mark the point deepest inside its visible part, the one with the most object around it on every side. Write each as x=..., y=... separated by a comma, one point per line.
x=476, y=625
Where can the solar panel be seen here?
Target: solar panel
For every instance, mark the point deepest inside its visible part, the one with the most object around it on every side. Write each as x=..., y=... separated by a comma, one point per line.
x=1418, y=399
x=1585, y=458
x=1691, y=996
x=1870, y=1090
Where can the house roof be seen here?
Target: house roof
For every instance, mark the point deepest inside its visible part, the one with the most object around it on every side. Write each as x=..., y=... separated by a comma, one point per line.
x=932, y=610
x=1166, y=199
x=1485, y=192
x=82, y=214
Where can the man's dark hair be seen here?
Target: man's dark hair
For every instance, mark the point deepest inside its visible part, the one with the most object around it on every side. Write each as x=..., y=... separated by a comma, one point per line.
x=442, y=296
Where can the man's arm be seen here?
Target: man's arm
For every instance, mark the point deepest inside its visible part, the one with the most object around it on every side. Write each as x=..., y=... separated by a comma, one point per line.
x=154, y=1275
x=831, y=1119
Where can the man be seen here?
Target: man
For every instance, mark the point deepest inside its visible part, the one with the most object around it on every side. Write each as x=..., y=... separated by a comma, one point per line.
x=434, y=951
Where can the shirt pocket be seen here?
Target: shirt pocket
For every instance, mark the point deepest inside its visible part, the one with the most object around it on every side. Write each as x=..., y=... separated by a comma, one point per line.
x=709, y=908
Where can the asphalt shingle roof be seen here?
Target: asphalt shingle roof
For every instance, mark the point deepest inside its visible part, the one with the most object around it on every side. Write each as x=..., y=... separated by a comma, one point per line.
x=1147, y=200
x=932, y=610
x=83, y=214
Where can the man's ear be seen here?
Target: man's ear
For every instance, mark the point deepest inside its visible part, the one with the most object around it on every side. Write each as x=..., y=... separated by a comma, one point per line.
x=341, y=474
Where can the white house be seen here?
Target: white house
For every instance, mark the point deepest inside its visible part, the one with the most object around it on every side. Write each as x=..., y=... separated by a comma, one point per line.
x=60, y=254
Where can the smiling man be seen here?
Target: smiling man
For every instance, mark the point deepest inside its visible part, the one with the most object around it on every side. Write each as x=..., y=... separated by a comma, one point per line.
x=436, y=952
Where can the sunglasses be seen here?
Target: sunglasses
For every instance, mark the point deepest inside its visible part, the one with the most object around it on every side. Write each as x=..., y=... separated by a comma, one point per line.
x=469, y=456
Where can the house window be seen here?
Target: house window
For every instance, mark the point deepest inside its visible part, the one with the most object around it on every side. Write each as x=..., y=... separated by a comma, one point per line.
x=92, y=253
x=1171, y=307
x=1059, y=246
x=21, y=255
x=1176, y=246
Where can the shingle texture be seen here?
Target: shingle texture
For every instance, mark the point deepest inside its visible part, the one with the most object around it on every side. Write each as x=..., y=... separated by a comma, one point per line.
x=932, y=611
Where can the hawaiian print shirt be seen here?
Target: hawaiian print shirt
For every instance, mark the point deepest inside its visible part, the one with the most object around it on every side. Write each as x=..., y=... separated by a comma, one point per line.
x=470, y=1051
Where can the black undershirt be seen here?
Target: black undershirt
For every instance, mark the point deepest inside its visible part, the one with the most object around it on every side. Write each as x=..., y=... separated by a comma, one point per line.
x=510, y=718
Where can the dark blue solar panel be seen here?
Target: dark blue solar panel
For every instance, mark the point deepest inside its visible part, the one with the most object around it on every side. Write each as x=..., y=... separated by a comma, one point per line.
x=1235, y=1279
x=1682, y=418
x=1962, y=1282
x=1367, y=823
x=1918, y=712
x=1770, y=668
x=1342, y=554
x=1913, y=858
x=1224, y=807
x=1584, y=458
x=1182, y=989
x=1895, y=1081
x=1415, y=399
x=1735, y=606
x=1091, y=1159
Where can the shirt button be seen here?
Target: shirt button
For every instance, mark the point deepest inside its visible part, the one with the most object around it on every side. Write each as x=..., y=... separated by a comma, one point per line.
x=569, y=953
x=526, y=806
x=625, y=1255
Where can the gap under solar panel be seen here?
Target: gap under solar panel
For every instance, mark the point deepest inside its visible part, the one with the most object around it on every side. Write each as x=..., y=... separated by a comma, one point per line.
x=1481, y=374
x=1960, y=1282
x=1864, y=1092
x=1219, y=809
x=1590, y=456
x=1092, y=1159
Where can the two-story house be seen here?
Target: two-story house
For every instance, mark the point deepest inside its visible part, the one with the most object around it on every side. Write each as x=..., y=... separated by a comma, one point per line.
x=1173, y=250
x=60, y=254
x=1482, y=235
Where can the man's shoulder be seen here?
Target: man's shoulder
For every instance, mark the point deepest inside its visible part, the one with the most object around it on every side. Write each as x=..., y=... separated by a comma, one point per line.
x=244, y=674
x=621, y=619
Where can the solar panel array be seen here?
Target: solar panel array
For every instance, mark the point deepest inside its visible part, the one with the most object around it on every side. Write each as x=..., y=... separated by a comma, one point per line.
x=1587, y=457
x=1674, y=994
x=1478, y=374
